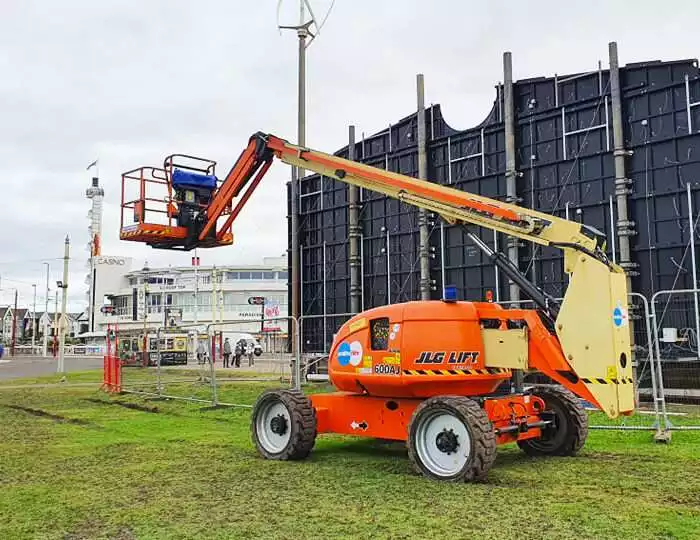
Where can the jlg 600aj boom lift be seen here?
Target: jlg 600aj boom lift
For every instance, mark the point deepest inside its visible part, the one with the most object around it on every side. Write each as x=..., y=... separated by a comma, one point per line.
x=426, y=372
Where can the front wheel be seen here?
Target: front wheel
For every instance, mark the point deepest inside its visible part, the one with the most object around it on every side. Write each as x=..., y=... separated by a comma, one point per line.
x=283, y=425
x=452, y=439
x=568, y=430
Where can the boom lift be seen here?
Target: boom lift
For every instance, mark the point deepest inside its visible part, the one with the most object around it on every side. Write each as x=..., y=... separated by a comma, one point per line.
x=428, y=372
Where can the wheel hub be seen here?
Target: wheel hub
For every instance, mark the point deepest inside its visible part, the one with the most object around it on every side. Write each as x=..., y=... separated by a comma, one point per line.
x=278, y=425
x=447, y=441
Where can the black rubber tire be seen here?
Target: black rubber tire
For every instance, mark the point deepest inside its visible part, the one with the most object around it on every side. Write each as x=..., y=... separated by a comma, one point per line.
x=571, y=430
x=481, y=432
x=302, y=425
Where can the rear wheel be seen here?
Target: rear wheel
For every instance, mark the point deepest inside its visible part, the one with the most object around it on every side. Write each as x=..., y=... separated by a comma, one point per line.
x=283, y=425
x=567, y=433
x=452, y=439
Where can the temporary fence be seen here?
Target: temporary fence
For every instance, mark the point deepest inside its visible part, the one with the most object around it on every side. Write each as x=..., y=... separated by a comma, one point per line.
x=184, y=363
x=111, y=372
x=675, y=322
x=666, y=361
x=68, y=350
x=314, y=329
x=662, y=380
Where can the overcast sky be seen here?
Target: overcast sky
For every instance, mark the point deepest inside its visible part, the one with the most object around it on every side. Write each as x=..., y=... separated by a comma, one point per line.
x=130, y=81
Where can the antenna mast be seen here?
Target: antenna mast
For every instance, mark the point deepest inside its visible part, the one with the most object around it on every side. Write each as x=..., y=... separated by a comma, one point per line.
x=304, y=32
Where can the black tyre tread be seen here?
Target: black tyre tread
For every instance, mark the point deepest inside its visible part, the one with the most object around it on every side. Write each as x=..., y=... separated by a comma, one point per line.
x=480, y=430
x=578, y=422
x=303, y=419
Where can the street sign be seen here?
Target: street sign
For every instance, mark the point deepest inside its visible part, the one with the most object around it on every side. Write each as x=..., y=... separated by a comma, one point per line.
x=173, y=317
x=256, y=300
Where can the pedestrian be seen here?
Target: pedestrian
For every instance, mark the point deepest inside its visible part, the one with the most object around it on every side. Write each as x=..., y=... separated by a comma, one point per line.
x=227, y=352
x=251, y=351
x=201, y=352
x=237, y=354
x=2, y=350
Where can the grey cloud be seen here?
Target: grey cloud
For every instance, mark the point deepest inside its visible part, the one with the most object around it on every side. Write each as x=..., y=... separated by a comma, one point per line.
x=131, y=81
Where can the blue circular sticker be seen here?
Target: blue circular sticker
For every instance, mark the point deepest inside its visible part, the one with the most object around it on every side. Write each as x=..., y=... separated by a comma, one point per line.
x=618, y=316
x=344, y=354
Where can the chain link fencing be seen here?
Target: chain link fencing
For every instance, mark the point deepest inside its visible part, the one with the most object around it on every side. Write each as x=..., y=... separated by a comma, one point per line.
x=675, y=323
x=186, y=363
x=179, y=363
x=316, y=337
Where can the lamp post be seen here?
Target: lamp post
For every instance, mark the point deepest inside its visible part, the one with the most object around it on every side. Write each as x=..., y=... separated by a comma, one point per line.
x=46, y=312
x=34, y=319
x=64, y=300
x=14, y=325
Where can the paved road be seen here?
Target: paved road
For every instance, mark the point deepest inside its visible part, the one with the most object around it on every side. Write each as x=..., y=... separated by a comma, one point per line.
x=36, y=366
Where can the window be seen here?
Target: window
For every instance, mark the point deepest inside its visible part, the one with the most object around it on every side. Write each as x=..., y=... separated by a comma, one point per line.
x=268, y=275
x=256, y=275
x=154, y=302
x=231, y=275
x=234, y=298
x=244, y=275
x=283, y=275
x=379, y=328
x=122, y=305
x=168, y=299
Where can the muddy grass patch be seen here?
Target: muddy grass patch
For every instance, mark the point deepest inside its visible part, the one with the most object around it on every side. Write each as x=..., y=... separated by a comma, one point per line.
x=40, y=413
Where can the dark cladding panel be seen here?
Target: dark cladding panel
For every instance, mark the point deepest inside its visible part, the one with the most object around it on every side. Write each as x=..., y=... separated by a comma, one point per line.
x=557, y=173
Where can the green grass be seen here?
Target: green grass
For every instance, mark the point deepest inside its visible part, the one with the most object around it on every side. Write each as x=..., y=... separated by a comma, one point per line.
x=97, y=469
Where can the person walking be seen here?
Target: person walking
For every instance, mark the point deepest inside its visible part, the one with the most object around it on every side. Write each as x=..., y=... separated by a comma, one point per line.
x=237, y=354
x=227, y=352
x=250, y=349
x=201, y=352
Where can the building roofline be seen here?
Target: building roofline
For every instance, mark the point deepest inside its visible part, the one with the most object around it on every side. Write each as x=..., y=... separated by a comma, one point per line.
x=227, y=268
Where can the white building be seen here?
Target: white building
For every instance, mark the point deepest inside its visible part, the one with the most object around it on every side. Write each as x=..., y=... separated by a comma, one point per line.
x=141, y=297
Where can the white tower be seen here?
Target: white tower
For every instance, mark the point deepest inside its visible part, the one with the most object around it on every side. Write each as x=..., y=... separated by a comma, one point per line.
x=96, y=194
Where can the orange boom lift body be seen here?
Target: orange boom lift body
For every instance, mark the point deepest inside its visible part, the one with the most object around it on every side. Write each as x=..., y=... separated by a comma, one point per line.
x=433, y=373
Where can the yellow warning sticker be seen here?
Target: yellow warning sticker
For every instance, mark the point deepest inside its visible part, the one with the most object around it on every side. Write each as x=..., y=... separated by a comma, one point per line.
x=359, y=324
x=612, y=372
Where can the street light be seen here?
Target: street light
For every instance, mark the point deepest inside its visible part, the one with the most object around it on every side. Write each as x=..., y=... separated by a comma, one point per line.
x=34, y=319
x=46, y=310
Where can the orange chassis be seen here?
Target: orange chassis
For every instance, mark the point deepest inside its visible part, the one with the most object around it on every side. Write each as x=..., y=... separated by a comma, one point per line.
x=515, y=417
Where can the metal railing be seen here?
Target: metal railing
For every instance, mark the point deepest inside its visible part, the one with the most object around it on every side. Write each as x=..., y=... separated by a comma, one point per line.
x=161, y=387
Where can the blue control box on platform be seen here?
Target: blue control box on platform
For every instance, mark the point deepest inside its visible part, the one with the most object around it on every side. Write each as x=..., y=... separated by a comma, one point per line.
x=193, y=180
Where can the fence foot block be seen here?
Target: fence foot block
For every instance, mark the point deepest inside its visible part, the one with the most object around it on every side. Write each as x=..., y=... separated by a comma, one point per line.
x=663, y=436
x=214, y=407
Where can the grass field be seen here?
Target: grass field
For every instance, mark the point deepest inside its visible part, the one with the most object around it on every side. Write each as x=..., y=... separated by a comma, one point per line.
x=76, y=463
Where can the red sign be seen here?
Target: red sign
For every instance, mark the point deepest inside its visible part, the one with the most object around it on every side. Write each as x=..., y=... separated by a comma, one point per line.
x=272, y=312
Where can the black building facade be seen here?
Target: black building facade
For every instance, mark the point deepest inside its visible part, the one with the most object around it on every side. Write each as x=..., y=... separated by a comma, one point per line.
x=564, y=155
